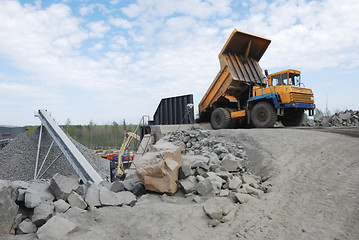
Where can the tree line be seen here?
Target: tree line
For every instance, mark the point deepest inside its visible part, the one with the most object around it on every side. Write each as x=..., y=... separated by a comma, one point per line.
x=93, y=136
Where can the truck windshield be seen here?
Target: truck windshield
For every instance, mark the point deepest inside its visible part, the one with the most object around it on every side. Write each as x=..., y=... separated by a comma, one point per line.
x=294, y=79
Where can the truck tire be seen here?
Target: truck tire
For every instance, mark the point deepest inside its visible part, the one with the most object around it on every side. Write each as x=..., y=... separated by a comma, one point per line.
x=293, y=117
x=220, y=118
x=233, y=121
x=263, y=115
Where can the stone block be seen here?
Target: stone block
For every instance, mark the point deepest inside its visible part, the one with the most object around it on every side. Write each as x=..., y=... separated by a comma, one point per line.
x=26, y=227
x=36, y=193
x=217, y=207
x=243, y=197
x=234, y=183
x=230, y=163
x=159, y=170
x=205, y=188
x=43, y=212
x=8, y=210
x=127, y=198
x=134, y=185
x=61, y=206
x=75, y=200
x=184, y=171
x=253, y=191
x=188, y=185
x=108, y=198
x=56, y=228
x=117, y=186
x=61, y=186
x=251, y=180
x=92, y=197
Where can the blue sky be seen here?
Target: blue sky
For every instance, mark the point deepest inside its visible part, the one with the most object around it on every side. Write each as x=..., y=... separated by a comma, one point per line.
x=106, y=61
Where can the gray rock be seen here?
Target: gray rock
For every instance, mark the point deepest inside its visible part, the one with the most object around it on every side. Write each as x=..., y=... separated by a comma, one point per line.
x=253, y=191
x=230, y=216
x=61, y=186
x=224, y=193
x=108, y=198
x=216, y=182
x=26, y=227
x=230, y=163
x=134, y=185
x=188, y=185
x=8, y=210
x=75, y=200
x=251, y=180
x=234, y=183
x=213, y=159
x=92, y=197
x=56, y=228
x=205, y=188
x=17, y=222
x=127, y=198
x=213, y=209
x=117, y=186
x=61, y=206
x=42, y=212
x=243, y=198
x=225, y=175
x=184, y=171
x=197, y=199
x=82, y=189
x=36, y=193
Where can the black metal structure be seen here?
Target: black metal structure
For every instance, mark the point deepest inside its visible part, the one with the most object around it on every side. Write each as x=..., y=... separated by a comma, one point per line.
x=174, y=110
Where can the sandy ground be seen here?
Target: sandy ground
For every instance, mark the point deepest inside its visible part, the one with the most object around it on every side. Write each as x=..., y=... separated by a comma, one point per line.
x=315, y=195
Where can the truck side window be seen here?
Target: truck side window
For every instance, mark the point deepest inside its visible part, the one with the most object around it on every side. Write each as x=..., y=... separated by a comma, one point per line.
x=285, y=78
x=276, y=80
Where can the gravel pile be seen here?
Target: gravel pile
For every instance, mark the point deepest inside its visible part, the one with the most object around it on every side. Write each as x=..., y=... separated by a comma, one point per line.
x=344, y=118
x=18, y=158
x=213, y=168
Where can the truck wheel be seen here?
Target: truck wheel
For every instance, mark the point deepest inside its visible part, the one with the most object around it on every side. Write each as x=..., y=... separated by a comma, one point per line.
x=220, y=118
x=263, y=115
x=233, y=121
x=293, y=118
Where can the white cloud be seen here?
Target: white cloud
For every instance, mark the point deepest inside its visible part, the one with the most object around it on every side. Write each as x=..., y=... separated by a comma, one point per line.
x=98, y=29
x=120, y=22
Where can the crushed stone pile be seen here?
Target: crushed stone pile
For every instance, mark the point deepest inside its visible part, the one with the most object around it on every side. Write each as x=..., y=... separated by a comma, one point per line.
x=345, y=118
x=18, y=158
x=213, y=168
x=38, y=207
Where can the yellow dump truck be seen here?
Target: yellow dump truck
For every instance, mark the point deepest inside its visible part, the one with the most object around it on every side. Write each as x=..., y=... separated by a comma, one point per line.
x=242, y=95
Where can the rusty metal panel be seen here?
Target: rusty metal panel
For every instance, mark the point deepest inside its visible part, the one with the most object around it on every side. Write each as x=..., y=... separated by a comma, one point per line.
x=174, y=110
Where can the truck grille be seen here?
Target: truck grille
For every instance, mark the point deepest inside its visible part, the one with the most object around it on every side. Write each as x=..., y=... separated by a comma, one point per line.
x=302, y=98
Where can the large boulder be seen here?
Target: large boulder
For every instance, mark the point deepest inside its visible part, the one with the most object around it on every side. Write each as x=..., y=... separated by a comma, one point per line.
x=61, y=186
x=92, y=197
x=75, y=200
x=56, y=228
x=36, y=193
x=43, y=212
x=159, y=170
x=8, y=209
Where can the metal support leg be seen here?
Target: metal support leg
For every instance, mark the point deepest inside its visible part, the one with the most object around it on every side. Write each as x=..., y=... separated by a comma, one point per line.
x=38, y=152
x=50, y=165
x=43, y=162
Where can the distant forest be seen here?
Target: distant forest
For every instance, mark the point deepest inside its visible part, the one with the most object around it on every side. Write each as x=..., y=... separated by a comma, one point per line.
x=93, y=136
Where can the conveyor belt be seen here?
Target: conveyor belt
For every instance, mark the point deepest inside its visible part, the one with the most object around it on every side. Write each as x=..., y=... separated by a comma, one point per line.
x=82, y=167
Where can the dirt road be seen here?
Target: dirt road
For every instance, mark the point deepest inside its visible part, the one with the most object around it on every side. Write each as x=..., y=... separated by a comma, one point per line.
x=315, y=195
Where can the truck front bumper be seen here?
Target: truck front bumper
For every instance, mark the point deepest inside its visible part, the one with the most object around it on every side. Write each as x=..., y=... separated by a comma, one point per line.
x=298, y=105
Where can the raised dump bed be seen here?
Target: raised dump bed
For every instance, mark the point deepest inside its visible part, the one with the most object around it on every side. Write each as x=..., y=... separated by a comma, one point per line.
x=239, y=69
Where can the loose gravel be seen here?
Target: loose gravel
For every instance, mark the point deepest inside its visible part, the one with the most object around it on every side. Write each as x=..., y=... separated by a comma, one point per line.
x=18, y=158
